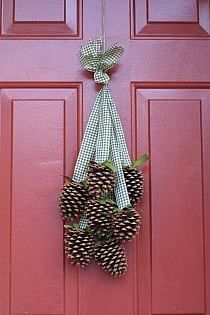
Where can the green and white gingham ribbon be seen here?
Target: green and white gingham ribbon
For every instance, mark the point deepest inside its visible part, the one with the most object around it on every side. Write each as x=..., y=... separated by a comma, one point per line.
x=104, y=138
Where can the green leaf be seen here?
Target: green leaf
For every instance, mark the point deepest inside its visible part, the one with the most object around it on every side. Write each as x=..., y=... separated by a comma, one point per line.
x=102, y=201
x=88, y=229
x=108, y=235
x=109, y=164
x=69, y=226
x=111, y=201
x=85, y=183
x=140, y=161
x=117, y=210
x=69, y=179
x=129, y=206
x=76, y=225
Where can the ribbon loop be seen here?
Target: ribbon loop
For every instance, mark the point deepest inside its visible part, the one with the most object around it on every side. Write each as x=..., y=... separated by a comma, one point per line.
x=111, y=57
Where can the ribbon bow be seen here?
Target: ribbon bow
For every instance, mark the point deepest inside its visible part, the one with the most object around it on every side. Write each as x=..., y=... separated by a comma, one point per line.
x=104, y=138
x=95, y=61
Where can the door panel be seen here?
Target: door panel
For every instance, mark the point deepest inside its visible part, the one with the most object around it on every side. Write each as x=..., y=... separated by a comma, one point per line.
x=185, y=18
x=37, y=155
x=176, y=169
x=41, y=19
x=46, y=98
x=39, y=128
x=179, y=11
x=178, y=214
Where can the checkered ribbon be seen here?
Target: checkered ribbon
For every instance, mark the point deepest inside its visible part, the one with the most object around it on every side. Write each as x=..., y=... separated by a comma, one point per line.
x=104, y=138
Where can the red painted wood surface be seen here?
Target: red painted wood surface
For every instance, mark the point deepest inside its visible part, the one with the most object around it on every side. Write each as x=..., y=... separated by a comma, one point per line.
x=46, y=98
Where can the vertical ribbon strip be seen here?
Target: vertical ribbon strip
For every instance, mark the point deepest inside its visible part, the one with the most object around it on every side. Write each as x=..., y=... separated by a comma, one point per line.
x=104, y=138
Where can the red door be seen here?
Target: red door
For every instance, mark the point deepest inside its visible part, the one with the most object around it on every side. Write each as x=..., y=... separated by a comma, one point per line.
x=162, y=90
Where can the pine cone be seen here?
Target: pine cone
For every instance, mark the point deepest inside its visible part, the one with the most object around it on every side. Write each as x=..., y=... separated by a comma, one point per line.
x=111, y=256
x=100, y=217
x=100, y=180
x=72, y=201
x=135, y=184
x=126, y=224
x=79, y=246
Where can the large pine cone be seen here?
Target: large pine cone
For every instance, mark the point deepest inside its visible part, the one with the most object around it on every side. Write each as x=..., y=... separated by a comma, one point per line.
x=100, y=217
x=111, y=256
x=79, y=246
x=126, y=224
x=73, y=199
x=100, y=180
x=135, y=184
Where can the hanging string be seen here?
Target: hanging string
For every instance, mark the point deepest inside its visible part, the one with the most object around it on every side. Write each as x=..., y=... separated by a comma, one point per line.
x=103, y=25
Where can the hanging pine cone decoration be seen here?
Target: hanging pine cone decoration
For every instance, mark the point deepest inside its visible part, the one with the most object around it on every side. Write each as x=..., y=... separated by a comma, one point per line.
x=126, y=224
x=135, y=184
x=79, y=246
x=72, y=201
x=112, y=258
x=100, y=180
x=100, y=217
x=100, y=228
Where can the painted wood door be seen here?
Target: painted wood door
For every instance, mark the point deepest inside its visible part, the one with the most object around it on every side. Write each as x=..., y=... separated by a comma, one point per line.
x=162, y=91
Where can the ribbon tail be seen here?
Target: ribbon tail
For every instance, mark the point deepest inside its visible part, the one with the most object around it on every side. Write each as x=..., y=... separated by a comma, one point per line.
x=124, y=155
x=104, y=133
x=88, y=146
x=121, y=192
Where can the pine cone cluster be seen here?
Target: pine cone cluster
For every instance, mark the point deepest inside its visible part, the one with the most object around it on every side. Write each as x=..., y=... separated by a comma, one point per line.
x=135, y=184
x=74, y=195
x=107, y=226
